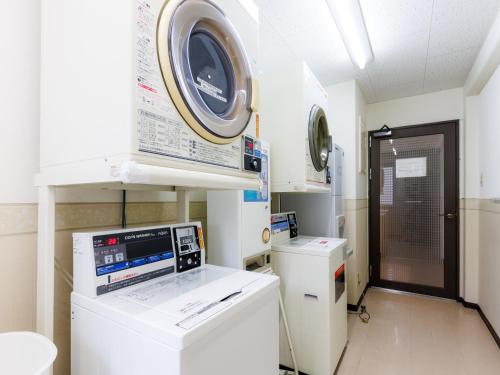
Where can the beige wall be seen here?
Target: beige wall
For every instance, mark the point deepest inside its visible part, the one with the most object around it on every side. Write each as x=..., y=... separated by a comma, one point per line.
x=356, y=232
x=489, y=261
x=18, y=226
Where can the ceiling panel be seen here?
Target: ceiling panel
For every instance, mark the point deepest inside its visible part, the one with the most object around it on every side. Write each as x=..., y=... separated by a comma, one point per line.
x=419, y=45
x=449, y=70
x=460, y=24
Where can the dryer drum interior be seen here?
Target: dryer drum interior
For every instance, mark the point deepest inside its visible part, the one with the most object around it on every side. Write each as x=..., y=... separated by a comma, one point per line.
x=205, y=68
x=319, y=142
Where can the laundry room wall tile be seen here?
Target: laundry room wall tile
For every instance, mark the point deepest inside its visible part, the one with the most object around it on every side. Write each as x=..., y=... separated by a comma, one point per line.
x=18, y=282
x=18, y=219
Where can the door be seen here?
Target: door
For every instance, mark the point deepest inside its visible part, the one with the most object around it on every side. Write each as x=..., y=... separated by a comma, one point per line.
x=413, y=209
x=206, y=69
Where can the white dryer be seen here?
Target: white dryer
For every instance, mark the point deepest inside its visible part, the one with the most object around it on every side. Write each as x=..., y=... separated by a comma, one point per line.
x=144, y=302
x=312, y=282
x=294, y=107
x=168, y=83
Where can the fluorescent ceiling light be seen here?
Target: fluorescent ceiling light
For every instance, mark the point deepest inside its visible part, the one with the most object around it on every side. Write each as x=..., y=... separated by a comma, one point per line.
x=351, y=24
x=251, y=8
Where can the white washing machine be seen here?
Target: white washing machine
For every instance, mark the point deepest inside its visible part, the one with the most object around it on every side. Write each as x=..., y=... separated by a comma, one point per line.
x=144, y=302
x=294, y=107
x=247, y=215
x=312, y=282
x=167, y=83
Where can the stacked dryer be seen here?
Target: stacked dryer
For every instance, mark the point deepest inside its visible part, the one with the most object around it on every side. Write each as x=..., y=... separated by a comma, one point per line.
x=165, y=83
x=294, y=107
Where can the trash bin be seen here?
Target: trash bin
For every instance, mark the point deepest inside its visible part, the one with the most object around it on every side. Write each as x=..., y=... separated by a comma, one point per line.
x=26, y=353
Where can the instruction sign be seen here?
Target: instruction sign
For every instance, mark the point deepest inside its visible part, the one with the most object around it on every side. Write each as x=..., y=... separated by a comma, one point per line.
x=411, y=167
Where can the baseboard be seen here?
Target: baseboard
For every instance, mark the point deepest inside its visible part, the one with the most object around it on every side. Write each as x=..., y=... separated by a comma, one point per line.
x=282, y=367
x=355, y=308
x=487, y=323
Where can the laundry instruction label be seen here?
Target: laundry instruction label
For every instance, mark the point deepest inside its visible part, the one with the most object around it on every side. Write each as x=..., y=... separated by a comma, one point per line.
x=209, y=89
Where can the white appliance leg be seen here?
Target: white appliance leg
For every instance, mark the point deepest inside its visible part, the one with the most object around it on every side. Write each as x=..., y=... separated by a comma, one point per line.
x=45, y=262
x=182, y=206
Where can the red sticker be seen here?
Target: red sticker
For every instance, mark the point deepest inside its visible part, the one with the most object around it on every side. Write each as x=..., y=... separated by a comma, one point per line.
x=340, y=271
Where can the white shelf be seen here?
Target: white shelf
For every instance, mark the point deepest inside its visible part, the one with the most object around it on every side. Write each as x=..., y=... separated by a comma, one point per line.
x=132, y=175
x=99, y=174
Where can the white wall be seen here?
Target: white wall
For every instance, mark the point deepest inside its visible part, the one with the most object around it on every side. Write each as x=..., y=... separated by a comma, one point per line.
x=489, y=137
x=19, y=95
x=345, y=105
x=489, y=241
x=414, y=110
x=341, y=112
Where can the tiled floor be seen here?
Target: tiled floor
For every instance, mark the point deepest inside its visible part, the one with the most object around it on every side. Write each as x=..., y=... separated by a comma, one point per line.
x=414, y=335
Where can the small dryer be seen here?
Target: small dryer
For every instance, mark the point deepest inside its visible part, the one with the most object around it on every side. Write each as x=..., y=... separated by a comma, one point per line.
x=313, y=286
x=294, y=105
x=144, y=302
x=168, y=83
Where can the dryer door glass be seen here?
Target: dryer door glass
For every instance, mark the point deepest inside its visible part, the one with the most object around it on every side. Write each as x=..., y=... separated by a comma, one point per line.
x=319, y=138
x=212, y=73
x=205, y=68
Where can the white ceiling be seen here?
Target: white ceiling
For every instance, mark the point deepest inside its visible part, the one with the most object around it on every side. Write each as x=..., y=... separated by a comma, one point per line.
x=420, y=46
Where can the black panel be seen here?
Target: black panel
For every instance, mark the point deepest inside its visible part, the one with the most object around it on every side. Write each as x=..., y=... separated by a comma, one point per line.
x=292, y=224
x=187, y=248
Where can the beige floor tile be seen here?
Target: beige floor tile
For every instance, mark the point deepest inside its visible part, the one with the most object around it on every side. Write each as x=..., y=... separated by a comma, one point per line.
x=418, y=335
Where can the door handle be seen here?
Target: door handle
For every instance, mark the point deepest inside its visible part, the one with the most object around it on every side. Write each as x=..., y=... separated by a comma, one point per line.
x=449, y=216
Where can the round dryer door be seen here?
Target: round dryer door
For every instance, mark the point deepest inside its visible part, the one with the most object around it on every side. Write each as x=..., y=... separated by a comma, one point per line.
x=319, y=138
x=205, y=68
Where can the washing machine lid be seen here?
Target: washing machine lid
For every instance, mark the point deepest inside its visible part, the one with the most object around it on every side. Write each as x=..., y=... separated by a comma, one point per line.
x=319, y=138
x=319, y=246
x=179, y=309
x=206, y=69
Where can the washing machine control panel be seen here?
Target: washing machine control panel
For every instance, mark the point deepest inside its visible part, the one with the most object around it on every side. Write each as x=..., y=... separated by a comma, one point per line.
x=252, y=158
x=187, y=248
x=110, y=260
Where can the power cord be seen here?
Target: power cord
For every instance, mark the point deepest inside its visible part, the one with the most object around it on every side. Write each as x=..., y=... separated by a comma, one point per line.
x=364, y=315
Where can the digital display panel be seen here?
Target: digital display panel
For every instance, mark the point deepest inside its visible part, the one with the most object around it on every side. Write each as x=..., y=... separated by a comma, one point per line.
x=187, y=240
x=249, y=144
x=116, y=252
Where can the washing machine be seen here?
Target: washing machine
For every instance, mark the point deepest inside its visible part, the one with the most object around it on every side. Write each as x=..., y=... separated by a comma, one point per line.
x=144, y=302
x=294, y=105
x=313, y=287
x=168, y=83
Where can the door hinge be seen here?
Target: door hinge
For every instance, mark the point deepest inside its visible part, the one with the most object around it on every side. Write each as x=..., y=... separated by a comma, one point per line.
x=370, y=142
x=370, y=173
x=370, y=270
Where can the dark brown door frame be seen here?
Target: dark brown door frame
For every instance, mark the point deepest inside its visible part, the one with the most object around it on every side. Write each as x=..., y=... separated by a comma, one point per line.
x=452, y=254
